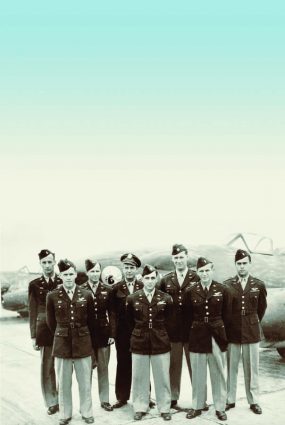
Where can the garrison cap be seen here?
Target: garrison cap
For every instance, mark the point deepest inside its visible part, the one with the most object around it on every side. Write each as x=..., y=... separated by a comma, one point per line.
x=64, y=265
x=131, y=259
x=177, y=248
x=44, y=253
x=89, y=264
x=148, y=269
x=202, y=261
x=240, y=254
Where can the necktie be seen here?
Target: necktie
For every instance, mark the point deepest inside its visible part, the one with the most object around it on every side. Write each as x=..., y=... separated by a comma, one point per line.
x=206, y=290
x=94, y=289
x=50, y=283
x=130, y=285
x=149, y=297
x=243, y=283
x=70, y=293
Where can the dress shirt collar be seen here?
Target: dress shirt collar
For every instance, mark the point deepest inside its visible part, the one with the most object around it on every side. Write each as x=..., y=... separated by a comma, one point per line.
x=149, y=295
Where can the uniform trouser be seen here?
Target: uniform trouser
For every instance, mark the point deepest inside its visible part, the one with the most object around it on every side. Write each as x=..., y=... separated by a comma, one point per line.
x=141, y=381
x=176, y=357
x=103, y=357
x=48, y=381
x=83, y=371
x=250, y=359
x=217, y=361
x=124, y=369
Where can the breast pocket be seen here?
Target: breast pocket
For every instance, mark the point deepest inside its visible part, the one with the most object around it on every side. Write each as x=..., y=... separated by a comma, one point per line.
x=81, y=309
x=61, y=310
x=253, y=296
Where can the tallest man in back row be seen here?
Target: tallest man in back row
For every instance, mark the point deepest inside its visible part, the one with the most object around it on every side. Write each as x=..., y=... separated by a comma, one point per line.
x=175, y=284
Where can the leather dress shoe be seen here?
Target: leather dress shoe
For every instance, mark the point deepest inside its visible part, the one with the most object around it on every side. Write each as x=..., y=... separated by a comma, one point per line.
x=89, y=420
x=107, y=406
x=64, y=421
x=230, y=406
x=166, y=416
x=151, y=404
x=192, y=413
x=119, y=403
x=53, y=409
x=221, y=415
x=138, y=416
x=256, y=409
x=205, y=408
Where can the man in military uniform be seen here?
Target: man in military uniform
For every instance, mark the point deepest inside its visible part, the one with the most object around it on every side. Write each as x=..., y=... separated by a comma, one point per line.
x=206, y=307
x=244, y=331
x=175, y=284
x=149, y=313
x=104, y=327
x=121, y=290
x=71, y=317
x=41, y=336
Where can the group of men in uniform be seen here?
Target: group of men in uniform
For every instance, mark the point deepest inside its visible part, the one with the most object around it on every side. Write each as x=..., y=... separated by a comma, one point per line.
x=152, y=322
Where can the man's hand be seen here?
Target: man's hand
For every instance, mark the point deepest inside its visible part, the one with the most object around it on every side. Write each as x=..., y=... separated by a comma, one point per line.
x=111, y=341
x=35, y=346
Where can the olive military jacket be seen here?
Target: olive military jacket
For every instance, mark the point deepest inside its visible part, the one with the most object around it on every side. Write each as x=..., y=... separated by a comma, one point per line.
x=119, y=297
x=38, y=290
x=170, y=285
x=105, y=322
x=205, y=316
x=248, y=307
x=149, y=322
x=71, y=322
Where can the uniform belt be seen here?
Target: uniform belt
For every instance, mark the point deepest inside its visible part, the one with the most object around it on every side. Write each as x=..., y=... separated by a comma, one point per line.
x=248, y=313
x=150, y=326
x=207, y=319
x=70, y=325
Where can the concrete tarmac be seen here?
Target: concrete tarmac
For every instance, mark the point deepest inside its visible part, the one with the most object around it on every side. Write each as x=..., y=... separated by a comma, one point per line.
x=22, y=403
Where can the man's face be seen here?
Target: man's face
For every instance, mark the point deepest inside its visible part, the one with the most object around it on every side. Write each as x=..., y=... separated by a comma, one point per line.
x=94, y=274
x=129, y=271
x=68, y=277
x=206, y=274
x=149, y=281
x=180, y=260
x=243, y=267
x=47, y=264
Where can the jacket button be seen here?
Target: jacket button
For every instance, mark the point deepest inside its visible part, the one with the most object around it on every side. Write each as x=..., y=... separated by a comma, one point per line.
x=206, y=306
x=207, y=313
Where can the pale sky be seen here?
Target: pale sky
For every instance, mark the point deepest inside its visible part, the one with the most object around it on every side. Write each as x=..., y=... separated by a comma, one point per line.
x=132, y=202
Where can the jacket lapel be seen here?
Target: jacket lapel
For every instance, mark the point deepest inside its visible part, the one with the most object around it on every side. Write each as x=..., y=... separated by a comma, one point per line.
x=199, y=290
x=175, y=280
x=63, y=294
x=124, y=288
x=236, y=285
x=186, y=280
